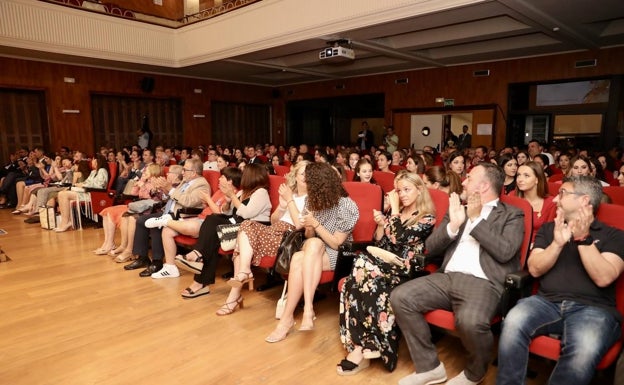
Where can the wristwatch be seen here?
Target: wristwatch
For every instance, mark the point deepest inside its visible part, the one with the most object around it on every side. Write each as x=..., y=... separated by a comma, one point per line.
x=588, y=240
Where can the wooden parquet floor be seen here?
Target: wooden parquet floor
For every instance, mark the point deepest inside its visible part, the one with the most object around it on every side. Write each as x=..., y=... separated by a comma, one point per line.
x=71, y=317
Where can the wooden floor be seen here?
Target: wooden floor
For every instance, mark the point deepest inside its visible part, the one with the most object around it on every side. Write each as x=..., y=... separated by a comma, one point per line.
x=70, y=317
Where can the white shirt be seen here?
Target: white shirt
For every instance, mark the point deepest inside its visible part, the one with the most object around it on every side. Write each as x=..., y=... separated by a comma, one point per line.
x=211, y=165
x=465, y=258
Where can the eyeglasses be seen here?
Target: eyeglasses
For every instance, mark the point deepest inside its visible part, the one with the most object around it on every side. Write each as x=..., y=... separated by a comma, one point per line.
x=186, y=169
x=563, y=192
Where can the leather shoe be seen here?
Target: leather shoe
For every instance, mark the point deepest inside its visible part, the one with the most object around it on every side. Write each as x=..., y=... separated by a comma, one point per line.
x=151, y=269
x=138, y=263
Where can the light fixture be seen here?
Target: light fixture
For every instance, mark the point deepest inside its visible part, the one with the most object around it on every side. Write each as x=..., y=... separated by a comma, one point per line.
x=197, y=90
x=71, y=111
x=199, y=115
x=439, y=100
x=69, y=80
x=425, y=131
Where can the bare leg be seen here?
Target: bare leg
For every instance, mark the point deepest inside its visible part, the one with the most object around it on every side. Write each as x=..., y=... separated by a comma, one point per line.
x=242, y=265
x=109, y=235
x=64, y=198
x=190, y=227
x=19, y=188
x=123, y=230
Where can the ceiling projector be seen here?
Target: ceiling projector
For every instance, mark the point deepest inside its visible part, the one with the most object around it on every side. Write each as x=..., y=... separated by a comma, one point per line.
x=337, y=54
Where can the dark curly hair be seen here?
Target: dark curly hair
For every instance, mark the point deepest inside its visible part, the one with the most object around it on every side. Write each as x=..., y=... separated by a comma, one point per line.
x=324, y=186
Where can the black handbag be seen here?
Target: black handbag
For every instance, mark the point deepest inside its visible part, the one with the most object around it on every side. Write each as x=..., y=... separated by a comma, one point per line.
x=292, y=241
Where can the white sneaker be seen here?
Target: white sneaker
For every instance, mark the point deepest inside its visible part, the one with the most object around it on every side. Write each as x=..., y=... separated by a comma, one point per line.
x=159, y=222
x=461, y=379
x=167, y=271
x=434, y=376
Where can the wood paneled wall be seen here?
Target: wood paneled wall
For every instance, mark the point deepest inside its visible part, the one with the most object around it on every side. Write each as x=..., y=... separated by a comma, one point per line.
x=76, y=130
x=459, y=83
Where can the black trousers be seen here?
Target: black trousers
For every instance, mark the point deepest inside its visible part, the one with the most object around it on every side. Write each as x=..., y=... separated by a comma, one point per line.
x=208, y=246
x=142, y=237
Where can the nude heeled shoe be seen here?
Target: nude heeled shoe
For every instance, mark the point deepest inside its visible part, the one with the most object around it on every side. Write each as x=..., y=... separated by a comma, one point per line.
x=61, y=229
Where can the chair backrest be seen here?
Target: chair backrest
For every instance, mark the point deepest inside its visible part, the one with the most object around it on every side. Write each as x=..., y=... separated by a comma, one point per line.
x=112, y=175
x=350, y=174
x=385, y=180
x=556, y=178
x=212, y=177
x=367, y=197
x=615, y=193
x=553, y=188
x=274, y=182
x=527, y=209
x=441, y=202
x=281, y=170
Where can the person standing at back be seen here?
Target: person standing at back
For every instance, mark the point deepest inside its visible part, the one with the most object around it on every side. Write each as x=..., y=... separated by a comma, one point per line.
x=465, y=139
x=365, y=137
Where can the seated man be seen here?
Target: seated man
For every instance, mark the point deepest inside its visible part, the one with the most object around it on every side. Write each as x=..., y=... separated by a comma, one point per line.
x=188, y=194
x=480, y=244
x=577, y=259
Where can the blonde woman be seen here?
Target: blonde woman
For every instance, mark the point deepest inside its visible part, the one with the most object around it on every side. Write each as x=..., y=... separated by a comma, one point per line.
x=367, y=327
x=256, y=240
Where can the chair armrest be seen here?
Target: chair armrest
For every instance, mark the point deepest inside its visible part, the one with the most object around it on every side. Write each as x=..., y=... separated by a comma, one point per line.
x=518, y=280
x=188, y=212
x=423, y=260
x=518, y=284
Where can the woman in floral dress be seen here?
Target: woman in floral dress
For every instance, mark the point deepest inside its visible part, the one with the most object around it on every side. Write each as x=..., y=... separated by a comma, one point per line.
x=367, y=325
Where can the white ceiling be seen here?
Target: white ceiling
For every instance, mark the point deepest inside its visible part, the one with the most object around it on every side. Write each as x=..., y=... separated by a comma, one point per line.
x=491, y=30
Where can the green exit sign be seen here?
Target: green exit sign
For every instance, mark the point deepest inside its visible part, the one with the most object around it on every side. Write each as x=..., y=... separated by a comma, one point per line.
x=449, y=102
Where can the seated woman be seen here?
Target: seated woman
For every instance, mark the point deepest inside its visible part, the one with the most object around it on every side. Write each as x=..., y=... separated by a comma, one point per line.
x=191, y=227
x=364, y=171
x=531, y=185
x=438, y=178
x=28, y=187
x=98, y=179
x=383, y=161
x=250, y=202
x=112, y=216
x=329, y=217
x=367, y=327
x=256, y=240
x=509, y=164
x=60, y=173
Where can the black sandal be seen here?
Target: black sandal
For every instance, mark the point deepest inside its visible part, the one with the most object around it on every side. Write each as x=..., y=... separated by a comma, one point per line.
x=348, y=368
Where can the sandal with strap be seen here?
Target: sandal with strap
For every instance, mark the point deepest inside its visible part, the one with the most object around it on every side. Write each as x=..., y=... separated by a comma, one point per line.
x=348, y=368
x=237, y=283
x=122, y=258
x=230, y=307
x=194, y=266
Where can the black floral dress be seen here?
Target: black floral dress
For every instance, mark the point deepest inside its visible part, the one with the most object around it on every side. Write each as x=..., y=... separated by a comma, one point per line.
x=366, y=317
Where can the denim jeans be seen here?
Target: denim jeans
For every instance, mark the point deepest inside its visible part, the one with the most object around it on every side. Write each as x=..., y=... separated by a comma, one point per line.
x=587, y=332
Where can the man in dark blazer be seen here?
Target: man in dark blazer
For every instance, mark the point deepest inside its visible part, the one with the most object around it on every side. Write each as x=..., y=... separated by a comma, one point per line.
x=465, y=139
x=365, y=137
x=480, y=244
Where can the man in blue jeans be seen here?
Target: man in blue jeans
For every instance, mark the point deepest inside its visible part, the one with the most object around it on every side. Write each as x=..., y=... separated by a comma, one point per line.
x=578, y=260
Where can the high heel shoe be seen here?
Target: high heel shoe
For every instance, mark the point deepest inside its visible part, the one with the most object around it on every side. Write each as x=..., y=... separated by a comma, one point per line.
x=230, y=307
x=307, y=326
x=102, y=251
x=279, y=333
x=121, y=258
x=236, y=282
x=116, y=251
x=61, y=229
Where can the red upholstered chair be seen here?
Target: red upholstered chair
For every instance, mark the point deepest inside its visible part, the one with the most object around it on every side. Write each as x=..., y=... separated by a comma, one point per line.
x=350, y=174
x=367, y=197
x=101, y=199
x=615, y=193
x=549, y=347
x=385, y=180
x=281, y=170
x=396, y=168
x=553, y=188
x=212, y=177
x=446, y=319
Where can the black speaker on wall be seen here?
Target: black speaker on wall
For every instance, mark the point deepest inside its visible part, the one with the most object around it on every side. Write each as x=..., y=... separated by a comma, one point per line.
x=147, y=85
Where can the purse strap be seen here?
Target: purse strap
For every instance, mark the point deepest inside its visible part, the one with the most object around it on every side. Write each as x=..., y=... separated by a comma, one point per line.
x=284, y=289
